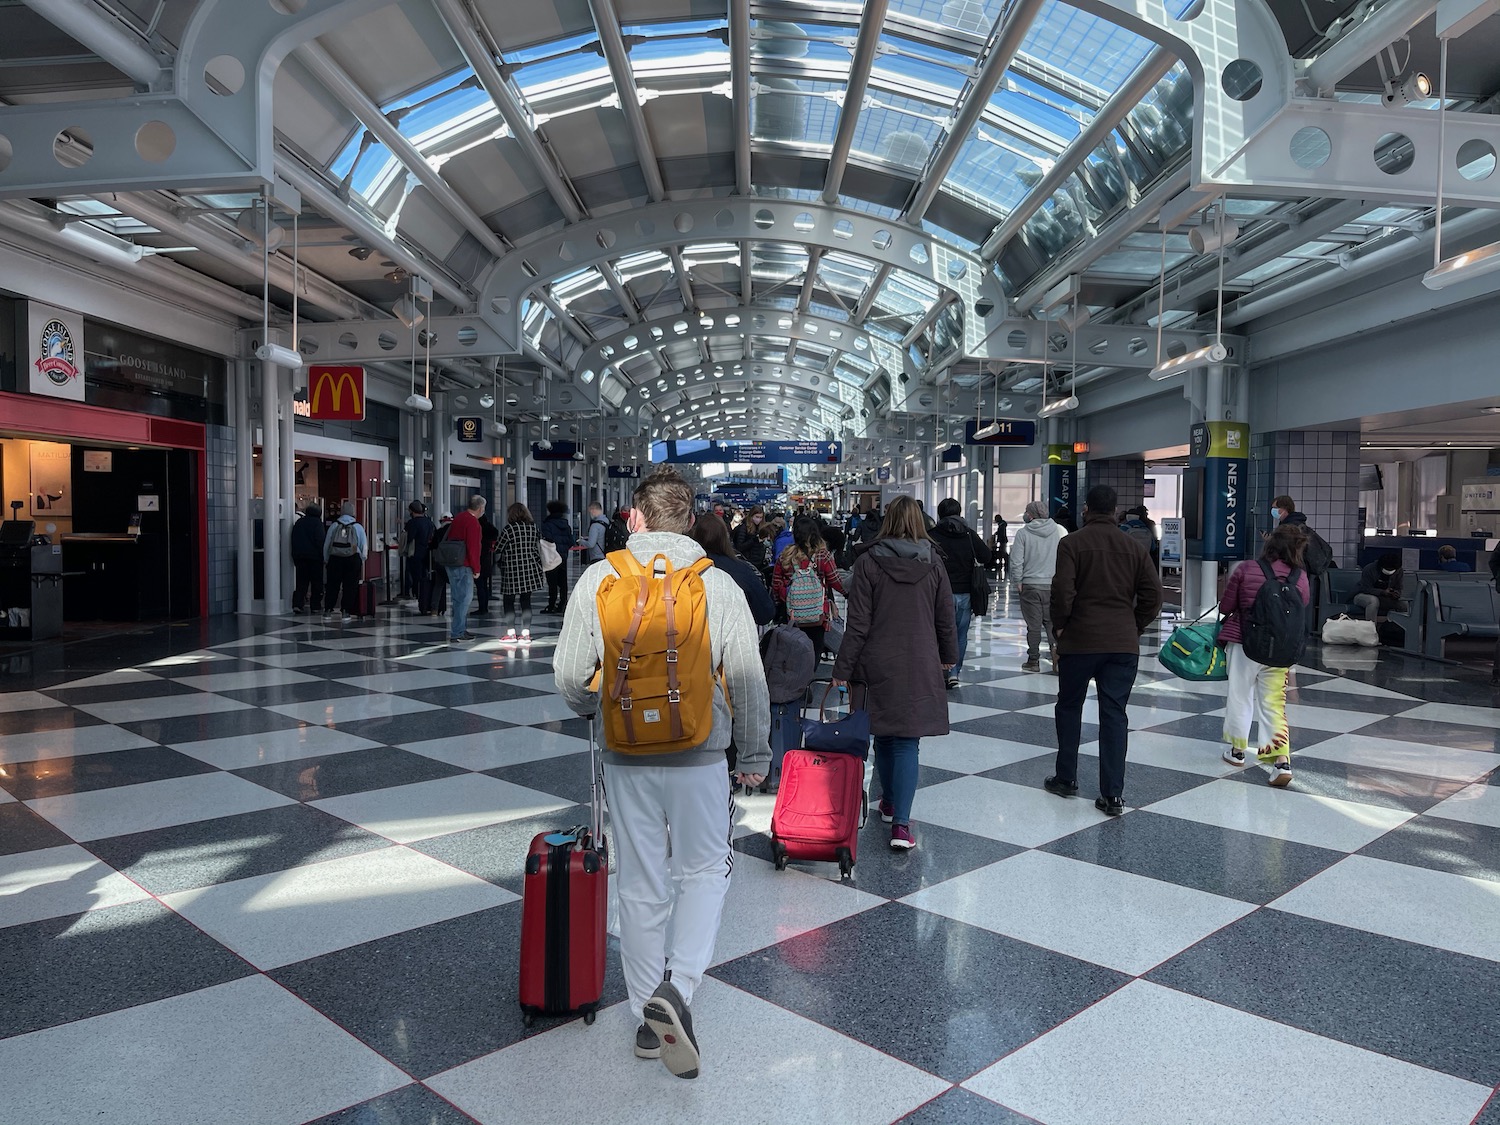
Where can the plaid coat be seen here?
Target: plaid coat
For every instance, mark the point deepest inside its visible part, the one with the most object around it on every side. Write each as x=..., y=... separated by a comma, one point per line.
x=520, y=565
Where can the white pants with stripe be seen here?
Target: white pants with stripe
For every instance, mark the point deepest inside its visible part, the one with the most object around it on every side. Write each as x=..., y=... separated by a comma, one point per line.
x=686, y=811
x=1257, y=696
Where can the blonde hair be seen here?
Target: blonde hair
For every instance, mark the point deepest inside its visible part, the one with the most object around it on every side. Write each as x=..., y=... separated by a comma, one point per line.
x=665, y=500
x=903, y=520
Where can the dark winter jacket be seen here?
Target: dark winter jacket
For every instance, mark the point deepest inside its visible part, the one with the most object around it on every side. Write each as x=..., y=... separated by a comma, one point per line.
x=1318, y=556
x=559, y=532
x=961, y=548
x=307, y=538
x=1386, y=587
x=745, y=537
x=489, y=535
x=419, y=533
x=762, y=608
x=1105, y=592
x=898, y=635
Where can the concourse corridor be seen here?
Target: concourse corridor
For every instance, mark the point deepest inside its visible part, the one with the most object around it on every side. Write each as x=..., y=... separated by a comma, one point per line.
x=267, y=871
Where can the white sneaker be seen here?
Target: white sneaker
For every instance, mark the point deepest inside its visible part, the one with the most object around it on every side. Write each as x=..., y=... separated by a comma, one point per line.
x=525, y=636
x=510, y=637
x=1234, y=757
x=1281, y=774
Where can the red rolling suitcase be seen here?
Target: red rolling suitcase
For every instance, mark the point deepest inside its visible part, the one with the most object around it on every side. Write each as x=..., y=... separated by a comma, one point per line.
x=819, y=808
x=564, y=909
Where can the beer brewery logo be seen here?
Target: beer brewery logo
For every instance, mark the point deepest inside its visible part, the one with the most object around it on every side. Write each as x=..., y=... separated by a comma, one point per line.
x=57, y=354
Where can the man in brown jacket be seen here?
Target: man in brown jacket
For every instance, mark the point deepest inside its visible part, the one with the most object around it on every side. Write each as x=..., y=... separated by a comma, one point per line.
x=1105, y=593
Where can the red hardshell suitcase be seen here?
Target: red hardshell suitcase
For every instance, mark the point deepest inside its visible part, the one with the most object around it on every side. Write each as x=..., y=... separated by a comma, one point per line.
x=564, y=912
x=819, y=809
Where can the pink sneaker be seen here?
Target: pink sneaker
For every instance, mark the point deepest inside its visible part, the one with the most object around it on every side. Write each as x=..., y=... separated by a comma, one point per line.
x=509, y=638
x=887, y=811
x=525, y=636
x=901, y=838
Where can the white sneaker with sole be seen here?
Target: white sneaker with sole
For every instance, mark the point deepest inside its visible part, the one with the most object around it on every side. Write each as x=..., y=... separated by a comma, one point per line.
x=1234, y=757
x=1281, y=774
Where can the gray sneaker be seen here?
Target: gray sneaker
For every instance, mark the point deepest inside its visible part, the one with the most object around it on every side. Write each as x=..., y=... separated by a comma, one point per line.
x=647, y=1045
x=667, y=1015
x=1032, y=665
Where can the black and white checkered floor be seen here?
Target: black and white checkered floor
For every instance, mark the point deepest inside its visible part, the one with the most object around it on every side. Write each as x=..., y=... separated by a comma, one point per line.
x=267, y=871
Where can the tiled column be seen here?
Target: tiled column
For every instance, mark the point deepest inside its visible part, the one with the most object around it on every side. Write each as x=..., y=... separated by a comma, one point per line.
x=1319, y=470
x=222, y=532
x=1127, y=476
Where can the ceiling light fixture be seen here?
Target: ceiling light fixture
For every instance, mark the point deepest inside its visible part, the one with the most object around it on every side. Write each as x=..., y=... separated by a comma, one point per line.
x=1058, y=406
x=1415, y=87
x=1200, y=357
x=1478, y=262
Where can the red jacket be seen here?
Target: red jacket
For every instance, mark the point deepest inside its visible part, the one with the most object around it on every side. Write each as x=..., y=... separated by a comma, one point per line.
x=465, y=527
x=1240, y=591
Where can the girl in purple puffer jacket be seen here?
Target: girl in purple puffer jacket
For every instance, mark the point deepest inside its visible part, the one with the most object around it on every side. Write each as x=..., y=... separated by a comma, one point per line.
x=1257, y=693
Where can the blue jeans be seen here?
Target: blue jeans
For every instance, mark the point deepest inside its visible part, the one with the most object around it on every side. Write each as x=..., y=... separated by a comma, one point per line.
x=962, y=614
x=896, y=764
x=461, y=586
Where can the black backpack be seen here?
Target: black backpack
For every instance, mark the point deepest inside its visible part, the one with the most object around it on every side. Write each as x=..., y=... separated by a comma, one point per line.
x=1317, y=556
x=616, y=536
x=1274, y=632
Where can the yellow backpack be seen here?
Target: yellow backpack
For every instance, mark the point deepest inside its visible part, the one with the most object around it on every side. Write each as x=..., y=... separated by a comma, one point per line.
x=658, y=673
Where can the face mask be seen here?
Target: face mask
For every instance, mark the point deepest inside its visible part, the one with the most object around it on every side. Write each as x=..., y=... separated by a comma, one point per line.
x=1387, y=573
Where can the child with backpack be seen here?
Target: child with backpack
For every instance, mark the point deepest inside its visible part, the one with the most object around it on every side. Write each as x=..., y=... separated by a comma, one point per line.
x=804, y=580
x=1264, y=633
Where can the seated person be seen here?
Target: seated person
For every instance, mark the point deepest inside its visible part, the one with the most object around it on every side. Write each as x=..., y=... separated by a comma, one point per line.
x=1448, y=560
x=1379, y=590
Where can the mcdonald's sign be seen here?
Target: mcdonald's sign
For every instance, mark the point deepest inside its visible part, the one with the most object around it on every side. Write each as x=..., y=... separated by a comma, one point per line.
x=336, y=393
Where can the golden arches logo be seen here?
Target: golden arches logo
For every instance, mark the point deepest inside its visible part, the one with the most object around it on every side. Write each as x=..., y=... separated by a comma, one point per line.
x=337, y=393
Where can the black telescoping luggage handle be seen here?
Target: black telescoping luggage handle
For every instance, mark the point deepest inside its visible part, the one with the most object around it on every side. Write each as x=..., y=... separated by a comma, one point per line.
x=596, y=787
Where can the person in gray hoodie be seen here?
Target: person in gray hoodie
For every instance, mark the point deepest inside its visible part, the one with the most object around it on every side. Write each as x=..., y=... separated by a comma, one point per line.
x=345, y=550
x=1033, y=560
x=680, y=797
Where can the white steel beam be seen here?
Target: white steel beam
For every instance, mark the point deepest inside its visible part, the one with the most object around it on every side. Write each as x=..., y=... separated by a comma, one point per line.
x=1018, y=19
x=871, y=23
x=612, y=42
x=357, y=102
x=108, y=38
x=1360, y=43
x=476, y=51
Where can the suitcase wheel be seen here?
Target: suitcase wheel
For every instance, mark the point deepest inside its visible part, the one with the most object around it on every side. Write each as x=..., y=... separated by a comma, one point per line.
x=778, y=853
x=527, y=1019
x=846, y=863
x=588, y=1018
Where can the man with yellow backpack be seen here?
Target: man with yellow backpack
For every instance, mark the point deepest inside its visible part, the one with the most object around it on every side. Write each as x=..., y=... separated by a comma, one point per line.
x=662, y=646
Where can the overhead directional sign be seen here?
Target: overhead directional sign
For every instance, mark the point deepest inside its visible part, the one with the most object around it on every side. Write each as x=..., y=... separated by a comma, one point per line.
x=748, y=452
x=1011, y=432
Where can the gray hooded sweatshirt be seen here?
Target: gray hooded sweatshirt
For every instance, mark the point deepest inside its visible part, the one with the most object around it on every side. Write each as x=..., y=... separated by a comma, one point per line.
x=1033, y=553
x=732, y=638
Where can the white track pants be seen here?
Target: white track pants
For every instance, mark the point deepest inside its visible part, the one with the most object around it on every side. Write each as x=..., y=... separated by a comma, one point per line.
x=689, y=810
x=1257, y=695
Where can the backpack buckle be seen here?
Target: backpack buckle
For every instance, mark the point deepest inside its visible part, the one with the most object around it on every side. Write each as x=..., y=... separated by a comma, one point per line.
x=671, y=656
x=623, y=664
x=626, y=704
x=674, y=696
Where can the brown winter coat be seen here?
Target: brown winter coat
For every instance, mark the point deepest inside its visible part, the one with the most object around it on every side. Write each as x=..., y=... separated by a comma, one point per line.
x=1106, y=590
x=898, y=635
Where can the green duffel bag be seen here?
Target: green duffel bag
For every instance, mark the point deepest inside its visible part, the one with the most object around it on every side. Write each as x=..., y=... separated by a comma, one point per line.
x=1192, y=652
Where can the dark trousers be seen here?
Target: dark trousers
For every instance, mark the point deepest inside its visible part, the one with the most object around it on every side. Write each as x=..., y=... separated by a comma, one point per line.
x=343, y=583
x=484, y=588
x=309, y=580
x=557, y=586
x=1114, y=674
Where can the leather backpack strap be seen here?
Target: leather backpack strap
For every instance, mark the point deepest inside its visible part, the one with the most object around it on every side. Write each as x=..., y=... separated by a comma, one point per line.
x=674, y=686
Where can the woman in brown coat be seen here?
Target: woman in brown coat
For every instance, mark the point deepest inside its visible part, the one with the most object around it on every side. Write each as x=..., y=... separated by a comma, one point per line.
x=899, y=641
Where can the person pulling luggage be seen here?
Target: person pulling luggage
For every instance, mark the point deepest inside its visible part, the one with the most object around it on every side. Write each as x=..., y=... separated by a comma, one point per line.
x=667, y=722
